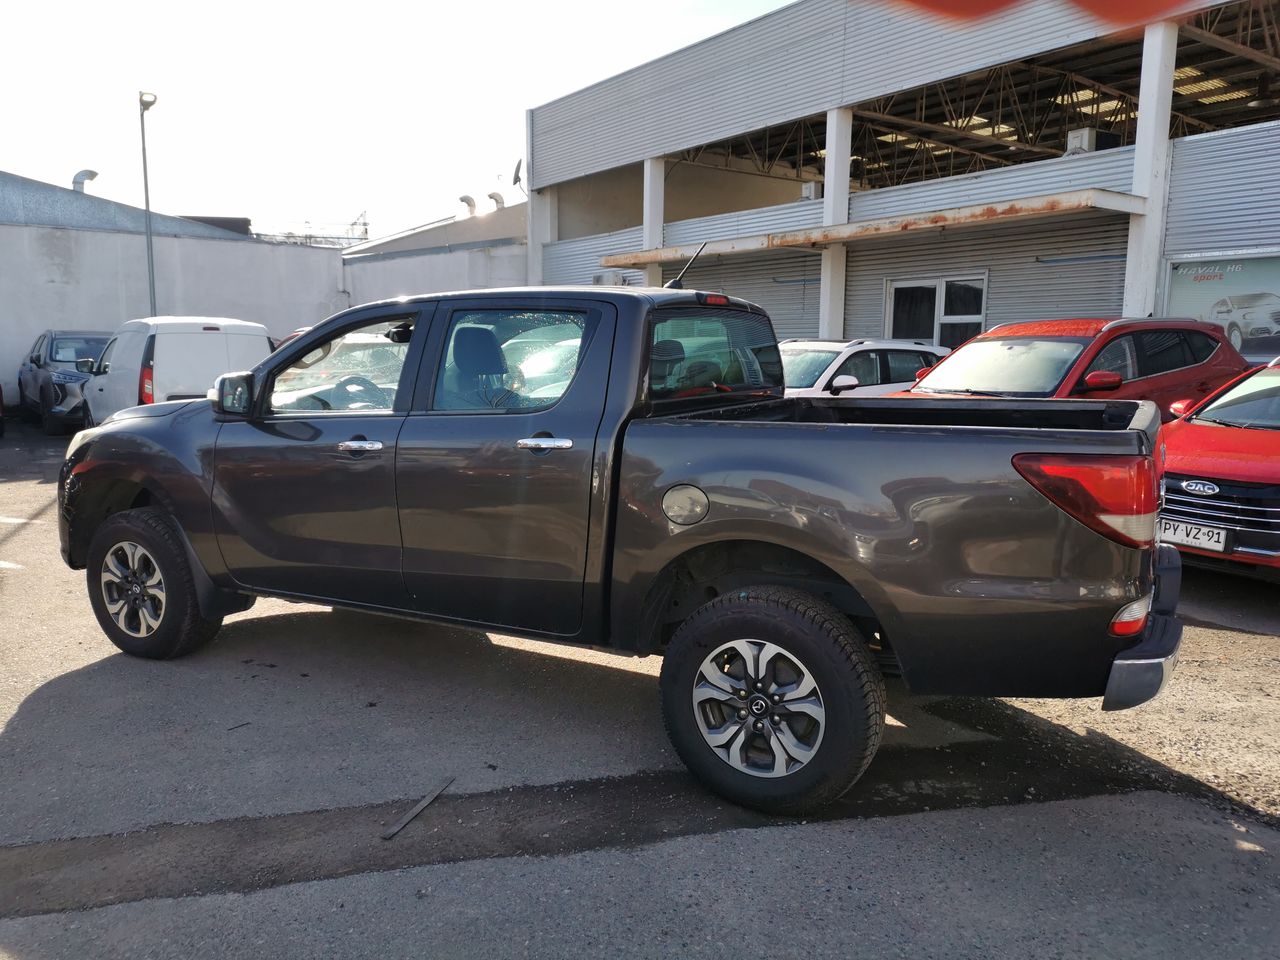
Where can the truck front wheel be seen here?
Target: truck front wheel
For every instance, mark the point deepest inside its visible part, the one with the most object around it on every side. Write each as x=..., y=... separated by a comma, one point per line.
x=772, y=699
x=141, y=587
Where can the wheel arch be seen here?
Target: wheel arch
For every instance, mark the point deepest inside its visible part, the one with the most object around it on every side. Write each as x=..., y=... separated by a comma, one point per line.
x=709, y=570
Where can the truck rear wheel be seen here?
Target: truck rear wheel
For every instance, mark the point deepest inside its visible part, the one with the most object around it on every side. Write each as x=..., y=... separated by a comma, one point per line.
x=141, y=587
x=772, y=699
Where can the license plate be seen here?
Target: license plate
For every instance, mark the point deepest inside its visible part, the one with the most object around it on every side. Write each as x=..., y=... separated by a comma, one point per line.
x=1193, y=535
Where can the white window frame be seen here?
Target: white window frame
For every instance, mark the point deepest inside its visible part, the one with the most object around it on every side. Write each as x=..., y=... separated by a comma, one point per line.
x=940, y=298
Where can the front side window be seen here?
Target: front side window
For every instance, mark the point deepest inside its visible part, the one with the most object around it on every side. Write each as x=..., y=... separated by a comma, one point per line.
x=1008, y=366
x=865, y=365
x=510, y=360
x=104, y=362
x=698, y=350
x=803, y=366
x=357, y=371
x=1253, y=403
x=1119, y=356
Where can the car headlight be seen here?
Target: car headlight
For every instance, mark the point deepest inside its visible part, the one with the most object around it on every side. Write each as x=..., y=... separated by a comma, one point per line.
x=59, y=376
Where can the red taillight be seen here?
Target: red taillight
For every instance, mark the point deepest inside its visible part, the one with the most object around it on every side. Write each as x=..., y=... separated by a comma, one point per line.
x=146, y=388
x=1132, y=618
x=1117, y=496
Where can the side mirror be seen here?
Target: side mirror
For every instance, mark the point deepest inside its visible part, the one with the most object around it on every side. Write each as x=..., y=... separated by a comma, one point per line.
x=34, y=359
x=85, y=365
x=1180, y=408
x=1102, y=380
x=233, y=394
x=922, y=371
x=842, y=383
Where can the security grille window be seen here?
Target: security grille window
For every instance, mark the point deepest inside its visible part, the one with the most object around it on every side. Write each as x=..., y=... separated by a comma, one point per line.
x=947, y=311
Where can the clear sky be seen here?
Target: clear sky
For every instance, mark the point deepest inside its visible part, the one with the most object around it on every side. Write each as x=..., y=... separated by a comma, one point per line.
x=290, y=112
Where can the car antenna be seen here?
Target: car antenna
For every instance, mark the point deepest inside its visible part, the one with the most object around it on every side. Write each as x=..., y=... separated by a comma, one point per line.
x=674, y=283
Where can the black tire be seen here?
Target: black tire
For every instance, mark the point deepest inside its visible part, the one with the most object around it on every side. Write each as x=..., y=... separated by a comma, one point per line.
x=25, y=413
x=181, y=628
x=827, y=645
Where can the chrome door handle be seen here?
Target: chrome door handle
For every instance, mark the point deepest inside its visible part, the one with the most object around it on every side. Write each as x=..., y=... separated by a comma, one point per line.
x=360, y=446
x=545, y=443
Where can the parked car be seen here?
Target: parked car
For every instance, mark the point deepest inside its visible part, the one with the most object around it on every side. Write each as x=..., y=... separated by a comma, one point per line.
x=815, y=368
x=1158, y=360
x=1247, y=316
x=1222, y=488
x=779, y=552
x=50, y=388
x=169, y=358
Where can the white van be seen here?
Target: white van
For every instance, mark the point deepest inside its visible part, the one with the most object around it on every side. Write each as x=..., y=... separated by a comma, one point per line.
x=170, y=358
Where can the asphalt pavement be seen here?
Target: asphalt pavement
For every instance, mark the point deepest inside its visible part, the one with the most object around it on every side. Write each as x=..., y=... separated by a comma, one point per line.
x=232, y=803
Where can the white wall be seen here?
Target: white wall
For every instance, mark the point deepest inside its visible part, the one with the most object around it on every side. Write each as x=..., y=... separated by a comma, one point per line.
x=90, y=279
x=380, y=278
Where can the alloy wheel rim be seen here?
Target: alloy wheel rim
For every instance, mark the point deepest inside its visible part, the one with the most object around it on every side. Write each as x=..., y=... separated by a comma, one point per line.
x=759, y=709
x=133, y=589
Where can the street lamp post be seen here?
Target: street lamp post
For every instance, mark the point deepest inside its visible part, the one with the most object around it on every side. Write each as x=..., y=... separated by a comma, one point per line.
x=145, y=102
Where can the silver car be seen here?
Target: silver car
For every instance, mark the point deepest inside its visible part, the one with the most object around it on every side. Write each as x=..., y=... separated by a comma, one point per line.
x=854, y=368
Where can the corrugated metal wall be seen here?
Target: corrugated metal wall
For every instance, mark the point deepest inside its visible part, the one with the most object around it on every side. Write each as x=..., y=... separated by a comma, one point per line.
x=1107, y=169
x=745, y=223
x=577, y=261
x=1077, y=282
x=785, y=283
x=794, y=62
x=1222, y=191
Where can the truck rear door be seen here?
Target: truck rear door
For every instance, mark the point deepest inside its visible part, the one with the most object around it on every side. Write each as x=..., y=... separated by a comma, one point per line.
x=494, y=472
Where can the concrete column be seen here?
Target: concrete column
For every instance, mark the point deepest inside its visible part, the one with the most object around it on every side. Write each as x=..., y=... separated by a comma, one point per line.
x=1150, y=169
x=655, y=192
x=543, y=228
x=835, y=210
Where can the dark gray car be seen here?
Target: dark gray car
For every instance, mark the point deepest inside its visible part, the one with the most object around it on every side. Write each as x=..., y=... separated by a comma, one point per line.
x=620, y=468
x=49, y=385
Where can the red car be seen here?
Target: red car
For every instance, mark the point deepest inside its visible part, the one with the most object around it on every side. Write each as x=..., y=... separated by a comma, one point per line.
x=1222, y=477
x=1159, y=360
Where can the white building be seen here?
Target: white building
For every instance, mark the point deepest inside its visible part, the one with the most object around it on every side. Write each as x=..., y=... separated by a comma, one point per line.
x=868, y=169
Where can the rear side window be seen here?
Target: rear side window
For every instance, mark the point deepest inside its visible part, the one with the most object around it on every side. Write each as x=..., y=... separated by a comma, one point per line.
x=1202, y=345
x=697, y=350
x=903, y=365
x=1162, y=351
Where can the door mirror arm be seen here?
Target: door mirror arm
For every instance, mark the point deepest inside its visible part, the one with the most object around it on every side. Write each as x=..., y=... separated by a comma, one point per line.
x=842, y=383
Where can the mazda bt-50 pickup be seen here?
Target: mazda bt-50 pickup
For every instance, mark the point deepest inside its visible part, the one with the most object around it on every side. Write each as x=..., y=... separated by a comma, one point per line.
x=619, y=467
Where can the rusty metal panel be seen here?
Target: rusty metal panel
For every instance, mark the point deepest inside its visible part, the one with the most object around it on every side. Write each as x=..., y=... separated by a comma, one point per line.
x=1106, y=169
x=798, y=215
x=1067, y=266
x=578, y=261
x=794, y=62
x=1222, y=192
x=785, y=283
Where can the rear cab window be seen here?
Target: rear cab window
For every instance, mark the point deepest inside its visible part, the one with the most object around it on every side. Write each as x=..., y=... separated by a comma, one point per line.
x=704, y=351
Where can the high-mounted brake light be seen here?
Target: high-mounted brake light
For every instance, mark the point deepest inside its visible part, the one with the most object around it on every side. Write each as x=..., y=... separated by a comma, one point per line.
x=1116, y=496
x=713, y=299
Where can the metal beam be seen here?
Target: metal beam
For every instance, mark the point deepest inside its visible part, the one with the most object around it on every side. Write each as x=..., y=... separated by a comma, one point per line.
x=1230, y=46
x=954, y=132
x=1073, y=201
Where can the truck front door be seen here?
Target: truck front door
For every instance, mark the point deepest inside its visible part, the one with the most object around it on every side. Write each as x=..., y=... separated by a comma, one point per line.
x=495, y=465
x=304, y=491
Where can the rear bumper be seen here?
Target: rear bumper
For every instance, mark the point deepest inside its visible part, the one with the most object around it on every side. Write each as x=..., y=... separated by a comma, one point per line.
x=1140, y=673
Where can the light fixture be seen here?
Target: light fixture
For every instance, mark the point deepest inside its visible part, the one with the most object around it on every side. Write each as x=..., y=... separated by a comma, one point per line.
x=146, y=101
x=1264, y=97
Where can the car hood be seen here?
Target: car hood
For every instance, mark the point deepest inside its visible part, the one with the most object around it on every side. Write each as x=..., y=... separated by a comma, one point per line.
x=1223, y=453
x=166, y=409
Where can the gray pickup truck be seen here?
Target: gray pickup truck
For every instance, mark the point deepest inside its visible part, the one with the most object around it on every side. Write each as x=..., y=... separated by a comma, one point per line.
x=620, y=468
